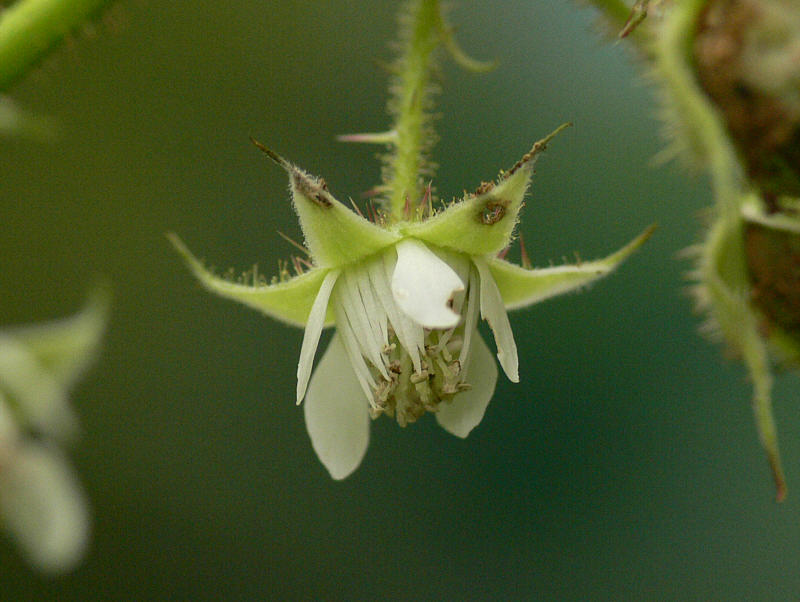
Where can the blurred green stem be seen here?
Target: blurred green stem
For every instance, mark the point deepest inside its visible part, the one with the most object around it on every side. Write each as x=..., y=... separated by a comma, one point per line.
x=30, y=29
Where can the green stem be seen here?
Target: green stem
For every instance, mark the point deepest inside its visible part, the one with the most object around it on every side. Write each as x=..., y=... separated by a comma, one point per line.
x=410, y=97
x=31, y=28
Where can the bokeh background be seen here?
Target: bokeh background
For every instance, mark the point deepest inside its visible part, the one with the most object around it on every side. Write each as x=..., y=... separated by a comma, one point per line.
x=624, y=465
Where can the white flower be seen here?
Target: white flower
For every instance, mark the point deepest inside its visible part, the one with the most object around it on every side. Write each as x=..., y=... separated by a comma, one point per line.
x=407, y=341
x=405, y=298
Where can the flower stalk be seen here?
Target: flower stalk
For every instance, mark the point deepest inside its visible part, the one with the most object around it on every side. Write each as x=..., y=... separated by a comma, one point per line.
x=410, y=97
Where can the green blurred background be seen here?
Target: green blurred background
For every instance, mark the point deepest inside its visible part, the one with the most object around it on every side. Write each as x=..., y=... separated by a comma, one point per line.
x=624, y=465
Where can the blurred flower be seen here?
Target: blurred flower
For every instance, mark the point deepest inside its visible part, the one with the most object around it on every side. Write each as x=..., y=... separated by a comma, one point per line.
x=41, y=503
x=729, y=71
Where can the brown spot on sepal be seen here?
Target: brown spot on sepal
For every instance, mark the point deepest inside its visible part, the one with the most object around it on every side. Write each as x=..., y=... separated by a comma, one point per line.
x=312, y=188
x=493, y=211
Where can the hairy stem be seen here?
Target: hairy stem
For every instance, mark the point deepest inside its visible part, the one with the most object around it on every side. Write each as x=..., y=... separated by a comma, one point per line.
x=29, y=29
x=409, y=98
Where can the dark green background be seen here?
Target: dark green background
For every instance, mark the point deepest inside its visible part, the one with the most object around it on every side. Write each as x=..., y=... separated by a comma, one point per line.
x=624, y=465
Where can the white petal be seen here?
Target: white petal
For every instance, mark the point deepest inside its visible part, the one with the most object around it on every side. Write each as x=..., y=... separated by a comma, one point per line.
x=410, y=334
x=316, y=320
x=372, y=306
x=336, y=413
x=345, y=332
x=368, y=337
x=423, y=285
x=494, y=312
x=43, y=506
x=470, y=323
x=466, y=409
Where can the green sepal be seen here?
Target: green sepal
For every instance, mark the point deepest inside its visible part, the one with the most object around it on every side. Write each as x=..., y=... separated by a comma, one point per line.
x=483, y=222
x=726, y=292
x=289, y=301
x=480, y=224
x=520, y=286
x=334, y=235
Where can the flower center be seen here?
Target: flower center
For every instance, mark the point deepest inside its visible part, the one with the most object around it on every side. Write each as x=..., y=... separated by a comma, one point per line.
x=407, y=394
x=405, y=367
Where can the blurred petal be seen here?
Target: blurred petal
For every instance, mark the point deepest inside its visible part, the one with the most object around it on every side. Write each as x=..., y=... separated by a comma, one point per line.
x=424, y=286
x=336, y=413
x=8, y=428
x=466, y=410
x=40, y=400
x=44, y=508
x=65, y=347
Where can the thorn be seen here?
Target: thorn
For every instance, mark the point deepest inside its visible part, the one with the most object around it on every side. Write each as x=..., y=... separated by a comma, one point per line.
x=525, y=260
x=355, y=207
x=294, y=243
x=502, y=254
x=272, y=155
x=407, y=209
x=424, y=204
x=371, y=213
x=538, y=147
x=370, y=137
x=373, y=192
x=637, y=15
x=777, y=474
x=298, y=267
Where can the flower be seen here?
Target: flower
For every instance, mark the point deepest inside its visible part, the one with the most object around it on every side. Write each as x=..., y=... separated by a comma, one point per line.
x=405, y=298
x=404, y=287
x=41, y=502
